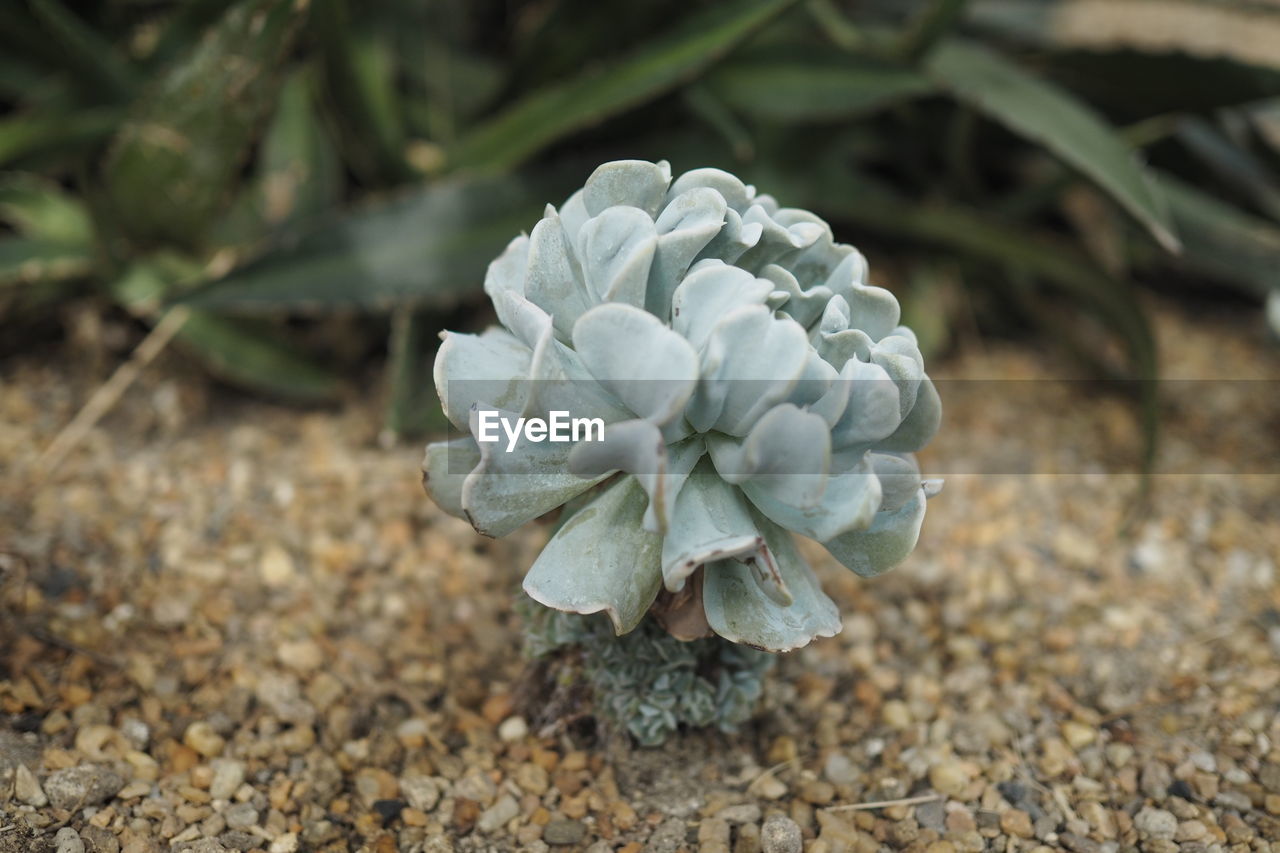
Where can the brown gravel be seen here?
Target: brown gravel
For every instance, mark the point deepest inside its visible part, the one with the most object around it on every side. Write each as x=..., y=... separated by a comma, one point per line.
x=228, y=625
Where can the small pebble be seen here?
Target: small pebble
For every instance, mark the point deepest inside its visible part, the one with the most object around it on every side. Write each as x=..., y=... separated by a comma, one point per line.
x=1155, y=780
x=1017, y=822
x=201, y=737
x=68, y=841
x=306, y=655
x=1078, y=735
x=932, y=815
x=421, y=792
x=713, y=836
x=83, y=785
x=241, y=816
x=1155, y=823
x=949, y=777
x=839, y=770
x=769, y=787
x=498, y=814
x=564, y=831
x=513, y=729
x=284, y=843
x=780, y=834
x=228, y=775
x=27, y=788
x=742, y=813
x=816, y=793
x=1233, y=800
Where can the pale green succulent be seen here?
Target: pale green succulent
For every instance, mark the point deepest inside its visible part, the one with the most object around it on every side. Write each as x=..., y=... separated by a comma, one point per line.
x=753, y=386
x=647, y=683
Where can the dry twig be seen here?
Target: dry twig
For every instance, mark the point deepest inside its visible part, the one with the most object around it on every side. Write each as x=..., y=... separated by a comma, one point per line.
x=110, y=392
x=884, y=804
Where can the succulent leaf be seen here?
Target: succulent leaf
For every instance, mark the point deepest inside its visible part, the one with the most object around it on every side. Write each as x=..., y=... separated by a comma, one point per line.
x=494, y=364
x=638, y=358
x=508, y=489
x=711, y=522
x=602, y=559
x=691, y=317
x=887, y=542
x=738, y=609
x=445, y=470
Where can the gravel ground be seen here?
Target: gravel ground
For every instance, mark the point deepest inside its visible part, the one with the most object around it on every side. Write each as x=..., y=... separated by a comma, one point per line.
x=228, y=625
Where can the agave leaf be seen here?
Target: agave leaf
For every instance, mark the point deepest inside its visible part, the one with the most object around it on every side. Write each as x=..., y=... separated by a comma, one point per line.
x=1235, y=165
x=55, y=233
x=39, y=208
x=359, y=72
x=1160, y=82
x=1193, y=29
x=251, y=355
x=183, y=27
x=814, y=90
x=255, y=356
x=1054, y=119
x=926, y=26
x=739, y=610
x=602, y=559
x=424, y=247
x=972, y=234
x=168, y=170
x=27, y=136
x=411, y=408
x=1224, y=241
x=97, y=64
x=707, y=108
x=298, y=169
x=551, y=113
x=31, y=259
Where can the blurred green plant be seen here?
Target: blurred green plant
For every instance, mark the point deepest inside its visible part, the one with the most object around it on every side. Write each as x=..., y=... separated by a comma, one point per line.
x=270, y=160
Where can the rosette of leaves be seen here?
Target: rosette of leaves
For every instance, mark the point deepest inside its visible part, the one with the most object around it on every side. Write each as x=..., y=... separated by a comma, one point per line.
x=753, y=386
x=645, y=682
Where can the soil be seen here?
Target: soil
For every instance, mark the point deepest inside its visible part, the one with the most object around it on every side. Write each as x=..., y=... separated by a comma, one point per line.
x=227, y=624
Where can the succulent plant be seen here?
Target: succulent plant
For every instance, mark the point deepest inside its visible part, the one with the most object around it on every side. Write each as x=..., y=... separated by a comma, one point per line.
x=647, y=683
x=751, y=383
